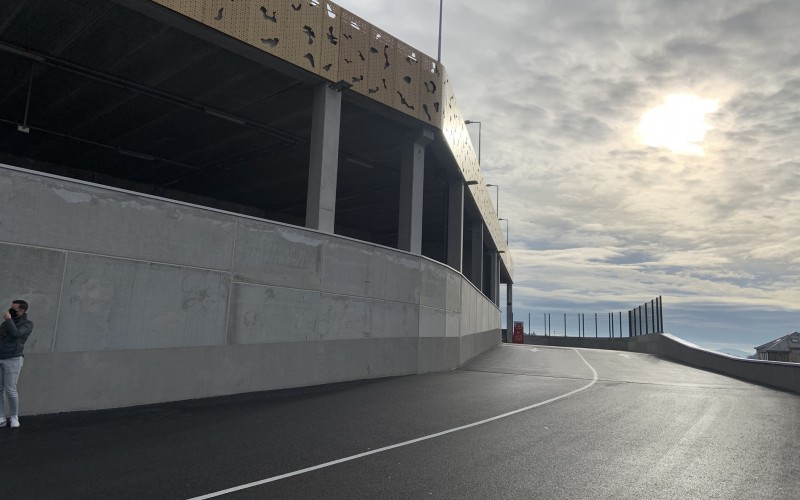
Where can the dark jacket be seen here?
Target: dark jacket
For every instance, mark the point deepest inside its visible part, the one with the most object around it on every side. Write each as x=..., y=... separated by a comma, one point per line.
x=13, y=334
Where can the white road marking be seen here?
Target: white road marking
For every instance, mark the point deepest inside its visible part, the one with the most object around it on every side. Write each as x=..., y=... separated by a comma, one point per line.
x=626, y=356
x=404, y=443
x=533, y=349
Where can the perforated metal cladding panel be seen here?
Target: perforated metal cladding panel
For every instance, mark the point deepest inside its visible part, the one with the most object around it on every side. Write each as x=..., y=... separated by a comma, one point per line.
x=430, y=91
x=268, y=26
x=189, y=8
x=455, y=132
x=407, y=82
x=354, y=51
x=228, y=16
x=332, y=42
x=331, y=39
x=304, y=34
x=382, y=63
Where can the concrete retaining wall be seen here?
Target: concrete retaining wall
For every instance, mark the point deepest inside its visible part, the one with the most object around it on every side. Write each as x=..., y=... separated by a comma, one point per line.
x=784, y=376
x=776, y=374
x=140, y=300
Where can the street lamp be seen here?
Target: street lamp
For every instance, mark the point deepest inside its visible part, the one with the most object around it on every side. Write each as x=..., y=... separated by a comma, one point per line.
x=506, y=230
x=496, y=196
x=470, y=122
x=439, y=56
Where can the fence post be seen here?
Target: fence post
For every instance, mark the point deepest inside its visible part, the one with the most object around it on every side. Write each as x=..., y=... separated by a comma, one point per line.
x=630, y=324
x=640, y=320
x=660, y=315
x=653, y=314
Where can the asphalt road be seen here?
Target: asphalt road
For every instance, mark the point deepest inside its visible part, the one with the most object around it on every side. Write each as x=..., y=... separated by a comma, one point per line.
x=516, y=422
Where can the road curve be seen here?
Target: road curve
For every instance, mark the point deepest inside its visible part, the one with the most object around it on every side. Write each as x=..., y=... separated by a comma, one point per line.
x=516, y=422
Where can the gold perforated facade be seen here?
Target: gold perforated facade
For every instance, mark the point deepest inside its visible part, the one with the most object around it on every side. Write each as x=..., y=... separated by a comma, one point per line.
x=327, y=40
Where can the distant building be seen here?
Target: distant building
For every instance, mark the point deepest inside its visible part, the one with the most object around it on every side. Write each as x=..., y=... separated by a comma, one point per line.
x=786, y=348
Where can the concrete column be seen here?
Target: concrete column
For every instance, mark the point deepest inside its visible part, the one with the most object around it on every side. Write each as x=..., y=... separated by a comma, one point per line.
x=455, y=224
x=494, y=286
x=497, y=283
x=509, y=312
x=412, y=178
x=476, y=267
x=324, y=159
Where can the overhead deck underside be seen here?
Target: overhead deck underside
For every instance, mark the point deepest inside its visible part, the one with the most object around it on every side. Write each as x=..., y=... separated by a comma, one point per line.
x=161, y=105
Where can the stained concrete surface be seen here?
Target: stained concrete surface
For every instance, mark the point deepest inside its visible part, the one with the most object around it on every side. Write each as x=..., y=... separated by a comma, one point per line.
x=188, y=302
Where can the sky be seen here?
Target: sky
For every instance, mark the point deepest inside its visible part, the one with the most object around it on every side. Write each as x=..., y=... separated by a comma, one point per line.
x=643, y=148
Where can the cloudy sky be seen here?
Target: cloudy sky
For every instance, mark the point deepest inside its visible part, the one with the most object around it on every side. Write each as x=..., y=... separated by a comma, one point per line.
x=642, y=148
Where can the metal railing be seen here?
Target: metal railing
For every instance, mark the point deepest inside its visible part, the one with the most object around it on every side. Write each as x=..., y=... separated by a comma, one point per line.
x=641, y=320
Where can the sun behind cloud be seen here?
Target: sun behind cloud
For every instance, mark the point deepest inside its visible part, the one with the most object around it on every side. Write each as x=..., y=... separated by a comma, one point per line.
x=679, y=124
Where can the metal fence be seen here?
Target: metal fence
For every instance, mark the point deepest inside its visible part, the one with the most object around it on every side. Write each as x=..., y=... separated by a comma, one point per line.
x=641, y=320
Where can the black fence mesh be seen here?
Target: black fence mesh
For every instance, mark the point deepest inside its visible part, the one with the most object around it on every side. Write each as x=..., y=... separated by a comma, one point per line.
x=641, y=320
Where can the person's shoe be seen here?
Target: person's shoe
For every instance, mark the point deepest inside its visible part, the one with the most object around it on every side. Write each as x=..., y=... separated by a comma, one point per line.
x=14, y=422
x=2, y=422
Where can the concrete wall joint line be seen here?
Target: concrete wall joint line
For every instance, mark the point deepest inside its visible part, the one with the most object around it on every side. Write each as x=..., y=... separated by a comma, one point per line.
x=230, y=285
x=109, y=256
x=337, y=294
x=58, y=307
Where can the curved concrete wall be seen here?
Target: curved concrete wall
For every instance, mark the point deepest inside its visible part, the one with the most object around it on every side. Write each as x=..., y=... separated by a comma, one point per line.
x=785, y=376
x=139, y=300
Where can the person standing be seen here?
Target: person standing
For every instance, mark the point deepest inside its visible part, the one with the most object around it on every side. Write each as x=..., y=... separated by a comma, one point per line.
x=14, y=331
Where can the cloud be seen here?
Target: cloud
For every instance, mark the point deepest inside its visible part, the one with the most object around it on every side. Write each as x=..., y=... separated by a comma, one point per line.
x=599, y=222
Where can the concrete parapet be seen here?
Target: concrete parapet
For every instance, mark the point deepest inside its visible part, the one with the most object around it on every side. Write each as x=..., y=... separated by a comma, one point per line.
x=140, y=300
x=776, y=374
x=785, y=376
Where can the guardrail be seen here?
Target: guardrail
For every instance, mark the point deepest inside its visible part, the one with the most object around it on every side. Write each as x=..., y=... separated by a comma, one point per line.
x=641, y=320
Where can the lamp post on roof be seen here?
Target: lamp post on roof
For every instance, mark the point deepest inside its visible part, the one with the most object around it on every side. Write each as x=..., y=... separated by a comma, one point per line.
x=470, y=122
x=439, y=55
x=506, y=230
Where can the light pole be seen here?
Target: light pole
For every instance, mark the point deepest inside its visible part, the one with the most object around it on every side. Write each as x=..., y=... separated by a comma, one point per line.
x=470, y=122
x=506, y=230
x=439, y=56
x=496, y=197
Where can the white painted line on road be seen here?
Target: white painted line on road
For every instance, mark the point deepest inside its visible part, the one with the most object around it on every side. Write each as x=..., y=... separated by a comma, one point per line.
x=533, y=349
x=626, y=356
x=404, y=443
